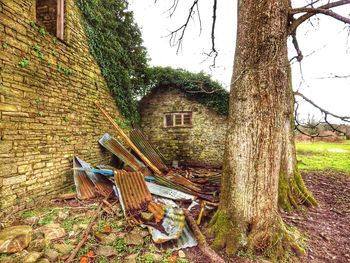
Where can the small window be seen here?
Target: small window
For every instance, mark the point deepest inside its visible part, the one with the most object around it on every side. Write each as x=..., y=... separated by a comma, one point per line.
x=178, y=119
x=50, y=15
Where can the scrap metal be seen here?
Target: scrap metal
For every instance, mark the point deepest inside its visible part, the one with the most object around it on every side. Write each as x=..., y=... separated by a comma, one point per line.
x=129, y=142
x=173, y=224
x=165, y=181
x=85, y=187
x=151, y=152
x=135, y=197
x=100, y=183
x=167, y=192
x=123, y=154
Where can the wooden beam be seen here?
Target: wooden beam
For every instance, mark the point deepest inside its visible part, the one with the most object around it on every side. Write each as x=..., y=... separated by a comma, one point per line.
x=129, y=142
x=60, y=20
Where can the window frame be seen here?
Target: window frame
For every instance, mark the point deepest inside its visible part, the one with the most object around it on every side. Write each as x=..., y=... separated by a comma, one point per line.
x=176, y=114
x=60, y=19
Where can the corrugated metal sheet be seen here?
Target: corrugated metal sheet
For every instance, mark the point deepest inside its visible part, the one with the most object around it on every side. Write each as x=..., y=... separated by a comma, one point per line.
x=132, y=189
x=186, y=239
x=102, y=185
x=151, y=152
x=167, y=192
x=173, y=223
x=85, y=187
x=123, y=154
x=164, y=180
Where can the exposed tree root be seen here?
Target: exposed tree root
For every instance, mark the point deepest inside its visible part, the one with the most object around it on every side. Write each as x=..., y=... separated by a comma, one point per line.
x=292, y=192
x=273, y=240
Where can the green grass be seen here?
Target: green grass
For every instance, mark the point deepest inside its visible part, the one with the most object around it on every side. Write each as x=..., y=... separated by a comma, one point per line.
x=324, y=156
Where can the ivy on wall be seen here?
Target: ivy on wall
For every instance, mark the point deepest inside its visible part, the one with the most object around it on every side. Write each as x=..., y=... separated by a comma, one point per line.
x=197, y=86
x=115, y=41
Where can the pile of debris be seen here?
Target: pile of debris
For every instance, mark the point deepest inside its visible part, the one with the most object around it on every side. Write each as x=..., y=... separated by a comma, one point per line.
x=150, y=193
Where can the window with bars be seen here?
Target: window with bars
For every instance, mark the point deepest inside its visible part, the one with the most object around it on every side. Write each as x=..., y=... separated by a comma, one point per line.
x=177, y=119
x=50, y=15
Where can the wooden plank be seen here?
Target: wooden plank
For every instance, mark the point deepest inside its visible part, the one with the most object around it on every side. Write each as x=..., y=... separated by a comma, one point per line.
x=129, y=142
x=60, y=19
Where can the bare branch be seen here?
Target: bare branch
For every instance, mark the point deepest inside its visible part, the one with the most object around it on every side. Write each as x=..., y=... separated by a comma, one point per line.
x=295, y=23
x=299, y=55
x=332, y=126
x=213, y=49
x=172, y=9
x=321, y=11
x=312, y=3
x=306, y=126
x=343, y=118
x=334, y=76
x=174, y=40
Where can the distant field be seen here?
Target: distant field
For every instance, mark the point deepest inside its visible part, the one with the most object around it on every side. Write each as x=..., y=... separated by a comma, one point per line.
x=324, y=156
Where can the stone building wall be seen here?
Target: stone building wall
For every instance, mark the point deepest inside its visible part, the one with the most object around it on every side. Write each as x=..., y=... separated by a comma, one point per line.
x=203, y=143
x=47, y=114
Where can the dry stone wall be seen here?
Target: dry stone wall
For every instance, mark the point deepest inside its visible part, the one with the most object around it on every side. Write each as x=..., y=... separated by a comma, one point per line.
x=201, y=144
x=47, y=92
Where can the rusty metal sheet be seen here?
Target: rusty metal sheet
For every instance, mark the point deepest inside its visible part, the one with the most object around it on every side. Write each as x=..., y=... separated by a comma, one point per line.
x=85, y=187
x=147, y=149
x=102, y=185
x=135, y=198
x=185, y=240
x=167, y=192
x=123, y=154
x=173, y=223
x=166, y=181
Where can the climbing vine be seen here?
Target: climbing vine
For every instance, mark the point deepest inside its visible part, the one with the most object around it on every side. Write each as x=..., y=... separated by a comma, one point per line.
x=197, y=86
x=115, y=41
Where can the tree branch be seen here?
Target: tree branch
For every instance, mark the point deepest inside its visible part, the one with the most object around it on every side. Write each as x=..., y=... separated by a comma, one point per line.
x=213, y=49
x=321, y=11
x=313, y=11
x=182, y=29
x=343, y=118
x=299, y=55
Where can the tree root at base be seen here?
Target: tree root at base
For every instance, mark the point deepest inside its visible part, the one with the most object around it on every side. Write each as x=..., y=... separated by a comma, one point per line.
x=275, y=241
x=292, y=192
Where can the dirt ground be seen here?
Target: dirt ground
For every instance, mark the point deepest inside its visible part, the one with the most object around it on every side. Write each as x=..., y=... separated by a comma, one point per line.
x=327, y=228
x=328, y=225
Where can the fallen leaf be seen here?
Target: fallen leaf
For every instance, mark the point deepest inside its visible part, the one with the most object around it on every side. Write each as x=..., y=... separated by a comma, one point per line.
x=107, y=228
x=172, y=259
x=90, y=254
x=84, y=259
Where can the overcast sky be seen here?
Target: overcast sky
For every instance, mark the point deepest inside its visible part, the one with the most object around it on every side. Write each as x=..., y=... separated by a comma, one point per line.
x=324, y=43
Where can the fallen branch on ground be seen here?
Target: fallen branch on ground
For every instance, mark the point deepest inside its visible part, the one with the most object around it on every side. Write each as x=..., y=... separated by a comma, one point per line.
x=202, y=243
x=85, y=237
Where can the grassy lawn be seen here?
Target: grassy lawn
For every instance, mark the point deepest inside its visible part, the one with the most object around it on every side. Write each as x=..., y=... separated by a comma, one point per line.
x=324, y=156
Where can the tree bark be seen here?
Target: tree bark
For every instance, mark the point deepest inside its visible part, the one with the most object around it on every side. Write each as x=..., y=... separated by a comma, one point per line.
x=260, y=142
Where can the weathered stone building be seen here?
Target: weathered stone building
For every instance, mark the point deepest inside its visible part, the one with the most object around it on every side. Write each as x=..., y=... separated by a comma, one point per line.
x=183, y=129
x=48, y=85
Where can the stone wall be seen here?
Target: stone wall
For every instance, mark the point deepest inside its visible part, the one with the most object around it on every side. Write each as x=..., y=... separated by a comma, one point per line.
x=203, y=143
x=47, y=92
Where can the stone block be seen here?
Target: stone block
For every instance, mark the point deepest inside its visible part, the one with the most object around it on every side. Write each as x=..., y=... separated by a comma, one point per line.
x=14, y=180
x=24, y=168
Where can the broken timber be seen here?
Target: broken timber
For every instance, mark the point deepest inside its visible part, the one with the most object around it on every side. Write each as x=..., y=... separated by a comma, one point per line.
x=129, y=142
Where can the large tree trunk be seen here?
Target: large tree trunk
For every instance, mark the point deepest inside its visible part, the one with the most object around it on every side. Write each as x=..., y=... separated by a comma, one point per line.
x=260, y=142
